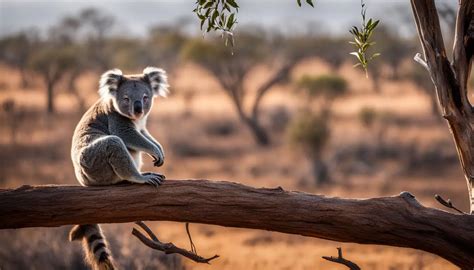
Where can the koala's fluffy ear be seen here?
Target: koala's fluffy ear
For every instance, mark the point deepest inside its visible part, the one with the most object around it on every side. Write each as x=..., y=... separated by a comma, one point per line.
x=109, y=82
x=157, y=79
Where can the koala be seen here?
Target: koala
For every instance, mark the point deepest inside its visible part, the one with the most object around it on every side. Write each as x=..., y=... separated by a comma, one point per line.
x=108, y=142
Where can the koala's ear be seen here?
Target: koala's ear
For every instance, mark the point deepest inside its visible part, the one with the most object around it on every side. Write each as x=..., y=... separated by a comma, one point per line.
x=157, y=79
x=109, y=82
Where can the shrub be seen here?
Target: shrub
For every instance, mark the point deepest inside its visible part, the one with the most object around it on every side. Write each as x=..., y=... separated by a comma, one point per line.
x=328, y=86
x=367, y=116
x=311, y=132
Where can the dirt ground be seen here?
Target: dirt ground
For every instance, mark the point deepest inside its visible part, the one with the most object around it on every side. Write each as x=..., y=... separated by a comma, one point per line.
x=205, y=140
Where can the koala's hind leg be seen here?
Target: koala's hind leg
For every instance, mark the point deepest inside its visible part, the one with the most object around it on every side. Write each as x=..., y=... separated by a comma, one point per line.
x=107, y=161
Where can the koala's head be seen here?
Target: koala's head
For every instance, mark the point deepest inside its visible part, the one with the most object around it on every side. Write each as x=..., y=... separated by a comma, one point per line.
x=132, y=95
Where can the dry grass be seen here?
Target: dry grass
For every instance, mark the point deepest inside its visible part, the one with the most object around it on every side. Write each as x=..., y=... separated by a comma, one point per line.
x=211, y=143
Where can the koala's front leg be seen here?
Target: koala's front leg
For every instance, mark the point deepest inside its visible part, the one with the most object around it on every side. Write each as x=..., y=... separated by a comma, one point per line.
x=136, y=141
x=145, y=133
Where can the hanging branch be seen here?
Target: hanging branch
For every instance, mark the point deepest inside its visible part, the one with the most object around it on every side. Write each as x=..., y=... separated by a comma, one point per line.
x=340, y=260
x=167, y=248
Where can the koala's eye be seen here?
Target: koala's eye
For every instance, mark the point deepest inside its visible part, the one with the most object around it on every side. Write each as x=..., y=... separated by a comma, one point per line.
x=126, y=99
x=145, y=98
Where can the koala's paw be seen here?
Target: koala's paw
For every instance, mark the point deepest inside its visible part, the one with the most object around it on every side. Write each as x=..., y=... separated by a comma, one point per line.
x=154, y=179
x=158, y=162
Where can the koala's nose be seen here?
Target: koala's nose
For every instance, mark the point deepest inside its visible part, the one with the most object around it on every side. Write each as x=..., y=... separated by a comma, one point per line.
x=138, y=107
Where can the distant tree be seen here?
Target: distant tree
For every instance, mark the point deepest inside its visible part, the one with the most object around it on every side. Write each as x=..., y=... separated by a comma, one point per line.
x=311, y=129
x=422, y=81
x=15, y=51
x=52, y=63
x=326, y=88
x=311, y=132
x=231, y=72
x=165, y=43
x=393, y=49
x=67, y=34
x=12, y=117
x=97, y=27
x=333, y=51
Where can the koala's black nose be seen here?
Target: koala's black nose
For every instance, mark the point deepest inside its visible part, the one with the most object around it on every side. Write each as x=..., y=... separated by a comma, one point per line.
x=138, y=107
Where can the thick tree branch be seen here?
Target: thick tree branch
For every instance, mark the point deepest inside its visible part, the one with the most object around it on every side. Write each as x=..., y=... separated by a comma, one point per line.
x=395, y=221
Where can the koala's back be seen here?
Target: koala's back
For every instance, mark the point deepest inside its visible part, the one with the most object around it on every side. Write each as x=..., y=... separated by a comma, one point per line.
x=93, y=125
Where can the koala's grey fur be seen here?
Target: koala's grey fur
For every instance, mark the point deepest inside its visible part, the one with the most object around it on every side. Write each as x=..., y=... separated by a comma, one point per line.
x=108, y=142
x=109, y=139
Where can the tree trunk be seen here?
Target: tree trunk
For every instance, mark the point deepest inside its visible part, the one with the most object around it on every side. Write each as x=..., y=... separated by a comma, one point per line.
x=73, y=88
x=320, y=172
x=259, y=133
x=50, y=108
x=450, y=79
x=24, y=83
x=395, y=221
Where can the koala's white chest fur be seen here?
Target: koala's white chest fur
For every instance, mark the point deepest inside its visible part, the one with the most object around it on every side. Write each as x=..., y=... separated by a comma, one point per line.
x=140, y=123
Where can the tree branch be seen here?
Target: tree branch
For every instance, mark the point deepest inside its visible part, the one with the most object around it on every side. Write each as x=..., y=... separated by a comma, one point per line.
x=450, y=78
x=395, y=221
x=167, y=248
x=340, y=260
x=279, y=76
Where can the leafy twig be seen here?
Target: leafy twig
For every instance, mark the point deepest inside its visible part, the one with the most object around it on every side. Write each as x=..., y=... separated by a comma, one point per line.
x=309, y=2
x=362, y=39
x=218, y=15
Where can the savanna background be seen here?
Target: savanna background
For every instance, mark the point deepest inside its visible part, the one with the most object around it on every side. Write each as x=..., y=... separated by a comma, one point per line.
x=285, y=109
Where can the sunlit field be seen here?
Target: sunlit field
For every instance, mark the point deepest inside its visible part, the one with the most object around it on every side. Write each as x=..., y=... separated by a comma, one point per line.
x=204, y=139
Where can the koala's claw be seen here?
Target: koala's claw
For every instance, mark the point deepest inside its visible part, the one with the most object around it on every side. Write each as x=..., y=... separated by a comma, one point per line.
x=158, y=162
x=154, y=179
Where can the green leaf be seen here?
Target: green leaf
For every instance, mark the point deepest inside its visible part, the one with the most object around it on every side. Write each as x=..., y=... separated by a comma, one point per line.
x=310, y=2
x=298, y=2
x=233, y=3
x=230, y=21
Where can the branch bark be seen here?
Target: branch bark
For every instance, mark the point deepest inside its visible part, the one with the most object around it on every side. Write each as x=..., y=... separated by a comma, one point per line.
x=395, y=221
x=450, y=78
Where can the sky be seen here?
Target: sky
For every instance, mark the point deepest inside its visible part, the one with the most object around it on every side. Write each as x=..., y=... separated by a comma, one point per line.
x=136, y=17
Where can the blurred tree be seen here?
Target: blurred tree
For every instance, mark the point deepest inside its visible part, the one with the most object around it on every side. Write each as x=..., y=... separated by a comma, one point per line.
x=67, y=34
x=311, y=129
x=52, y=63
x=15, y=51
x=332, y=50
x=375, y=74
x=310, y=132
x=367, y=116
x=423, y=82
x=393, y=49
x=97, y=27
x=12, y=117
x=325, y=87
x=165, y=43
x=231, y=72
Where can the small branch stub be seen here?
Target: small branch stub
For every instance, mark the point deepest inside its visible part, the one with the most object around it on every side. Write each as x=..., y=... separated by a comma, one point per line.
x=168, y=248
x=448, y=204
x=418, y=58
x=340, y=260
